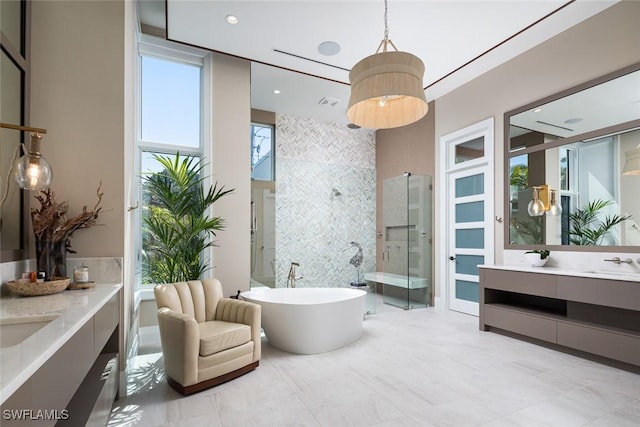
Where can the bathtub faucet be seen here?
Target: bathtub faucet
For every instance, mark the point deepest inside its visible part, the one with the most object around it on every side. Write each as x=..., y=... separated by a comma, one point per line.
x=291, y=278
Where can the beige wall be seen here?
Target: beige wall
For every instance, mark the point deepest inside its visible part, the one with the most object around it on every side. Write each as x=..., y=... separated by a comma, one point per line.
x=77, y=94
x=409, y=148
x=82, y=93
x=231, y=160
x=597, y=46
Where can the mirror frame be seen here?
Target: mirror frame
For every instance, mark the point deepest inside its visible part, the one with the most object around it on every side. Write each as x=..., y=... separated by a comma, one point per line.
x=21, y=57
x=560, y=142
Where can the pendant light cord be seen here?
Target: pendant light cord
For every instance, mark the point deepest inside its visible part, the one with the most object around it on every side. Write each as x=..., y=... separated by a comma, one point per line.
x=386, y=41
x=386, y=27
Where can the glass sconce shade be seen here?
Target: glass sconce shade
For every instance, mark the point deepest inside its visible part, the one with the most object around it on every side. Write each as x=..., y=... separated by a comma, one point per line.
x=536, y=207
x=32, y=171
x=554, y=207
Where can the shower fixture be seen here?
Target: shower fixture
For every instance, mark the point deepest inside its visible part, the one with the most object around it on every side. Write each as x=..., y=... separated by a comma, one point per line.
x=335, y=192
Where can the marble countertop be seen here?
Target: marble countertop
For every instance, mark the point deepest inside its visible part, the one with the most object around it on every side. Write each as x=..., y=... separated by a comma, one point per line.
x=70, y=310
x=597, y=273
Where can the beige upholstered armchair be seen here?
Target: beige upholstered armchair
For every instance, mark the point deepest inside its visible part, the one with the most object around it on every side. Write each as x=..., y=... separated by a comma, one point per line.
x=206, y=339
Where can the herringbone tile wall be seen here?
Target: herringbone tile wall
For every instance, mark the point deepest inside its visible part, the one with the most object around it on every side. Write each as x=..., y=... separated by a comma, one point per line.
x=314, y=226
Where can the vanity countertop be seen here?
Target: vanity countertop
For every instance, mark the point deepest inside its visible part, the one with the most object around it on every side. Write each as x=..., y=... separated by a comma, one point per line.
x=69, y=309
x=559, y=271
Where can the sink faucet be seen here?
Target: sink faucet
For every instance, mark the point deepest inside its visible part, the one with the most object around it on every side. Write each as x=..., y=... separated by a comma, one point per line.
x=617, y=260
x=291, y=278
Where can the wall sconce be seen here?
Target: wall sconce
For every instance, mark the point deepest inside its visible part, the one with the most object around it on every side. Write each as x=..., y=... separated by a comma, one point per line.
x=544, y=201
x=31, y=171
x=632, y=163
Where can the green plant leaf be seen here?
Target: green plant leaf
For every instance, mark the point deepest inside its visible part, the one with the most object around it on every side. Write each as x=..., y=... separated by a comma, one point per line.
x=585, y=227
x=176, y=226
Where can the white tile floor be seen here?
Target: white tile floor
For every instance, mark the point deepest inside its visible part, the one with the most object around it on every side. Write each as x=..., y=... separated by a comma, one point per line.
x=422, y=367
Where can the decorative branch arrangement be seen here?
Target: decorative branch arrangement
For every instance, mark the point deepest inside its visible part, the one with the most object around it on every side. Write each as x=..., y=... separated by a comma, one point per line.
x=50, y=222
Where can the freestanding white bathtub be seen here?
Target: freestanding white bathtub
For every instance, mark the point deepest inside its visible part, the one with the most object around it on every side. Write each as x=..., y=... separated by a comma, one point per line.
x=310, y=320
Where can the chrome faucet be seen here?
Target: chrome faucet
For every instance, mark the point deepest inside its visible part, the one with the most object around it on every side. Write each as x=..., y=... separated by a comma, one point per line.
x=291, y=278
x=617, y=260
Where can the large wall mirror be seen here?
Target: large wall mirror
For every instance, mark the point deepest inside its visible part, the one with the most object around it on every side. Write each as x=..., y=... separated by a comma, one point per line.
x=564, y=158
x=14, y=94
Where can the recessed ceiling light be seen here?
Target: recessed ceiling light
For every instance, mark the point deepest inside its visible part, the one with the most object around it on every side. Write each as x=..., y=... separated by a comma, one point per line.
x=277, y=91
x=537, y=110
x=329, y=48
x=231, y=19
x=573, y=120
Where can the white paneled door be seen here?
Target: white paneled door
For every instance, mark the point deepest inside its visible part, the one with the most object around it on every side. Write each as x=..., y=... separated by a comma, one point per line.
x=466, y=210
x=468, y=237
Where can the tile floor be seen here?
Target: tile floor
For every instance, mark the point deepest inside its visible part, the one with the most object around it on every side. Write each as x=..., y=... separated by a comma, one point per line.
x=422, y=367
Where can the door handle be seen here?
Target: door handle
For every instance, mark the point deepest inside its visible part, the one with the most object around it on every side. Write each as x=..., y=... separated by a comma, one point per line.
x=452, y=258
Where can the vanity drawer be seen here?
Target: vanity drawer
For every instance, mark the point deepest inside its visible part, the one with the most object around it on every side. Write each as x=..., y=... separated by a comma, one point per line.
x=521, y=323
x=543, y=285
x=611, y=293
x=612, y=344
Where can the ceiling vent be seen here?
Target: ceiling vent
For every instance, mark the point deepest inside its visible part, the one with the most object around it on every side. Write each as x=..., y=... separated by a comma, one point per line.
x=555, y=126
x=328, y=102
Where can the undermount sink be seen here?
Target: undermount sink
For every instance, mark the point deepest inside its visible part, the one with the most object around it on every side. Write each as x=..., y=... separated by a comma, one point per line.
x=14, y=330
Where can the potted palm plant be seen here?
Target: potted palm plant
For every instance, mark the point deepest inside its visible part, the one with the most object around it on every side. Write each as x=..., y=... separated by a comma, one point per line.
x=537, y=257
x=177, y=227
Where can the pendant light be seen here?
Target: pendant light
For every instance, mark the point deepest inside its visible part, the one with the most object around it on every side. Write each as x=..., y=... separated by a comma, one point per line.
x=386, y=87
x=632, y=162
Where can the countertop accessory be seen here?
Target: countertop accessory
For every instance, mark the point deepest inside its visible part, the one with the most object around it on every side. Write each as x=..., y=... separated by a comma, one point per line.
x=31, y=289
x=80, y=274
x=53, y=228
x=537, y=257
x=81, y=285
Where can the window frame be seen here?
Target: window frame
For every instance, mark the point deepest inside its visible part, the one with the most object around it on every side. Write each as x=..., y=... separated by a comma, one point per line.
x=158, y=48
x=272, y=148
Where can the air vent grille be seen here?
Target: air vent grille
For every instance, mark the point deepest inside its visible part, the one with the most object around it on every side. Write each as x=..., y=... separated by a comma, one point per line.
x=328, y=102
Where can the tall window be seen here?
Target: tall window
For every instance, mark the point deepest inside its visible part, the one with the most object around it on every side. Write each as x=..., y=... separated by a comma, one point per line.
x=170, y=120
x=262, y=152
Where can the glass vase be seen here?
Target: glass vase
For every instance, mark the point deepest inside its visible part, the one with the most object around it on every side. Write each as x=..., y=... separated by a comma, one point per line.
x=51, y=257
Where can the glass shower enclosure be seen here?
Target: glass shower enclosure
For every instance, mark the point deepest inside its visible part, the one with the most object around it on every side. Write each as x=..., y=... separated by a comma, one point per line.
x=407, y=276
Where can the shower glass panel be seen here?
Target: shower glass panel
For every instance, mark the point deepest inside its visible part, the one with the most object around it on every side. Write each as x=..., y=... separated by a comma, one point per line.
x=263, y=240
x=407, y=252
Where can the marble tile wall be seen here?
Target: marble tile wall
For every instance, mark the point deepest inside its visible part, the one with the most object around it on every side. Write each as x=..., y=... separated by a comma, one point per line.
x=314, y=225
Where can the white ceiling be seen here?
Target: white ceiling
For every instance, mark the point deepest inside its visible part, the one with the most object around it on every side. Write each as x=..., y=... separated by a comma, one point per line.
x=607, y=104
x=457, y=40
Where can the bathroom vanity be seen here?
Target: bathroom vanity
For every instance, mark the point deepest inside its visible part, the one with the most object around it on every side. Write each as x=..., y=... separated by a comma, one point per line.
x=593, y=312
x=59, y=353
